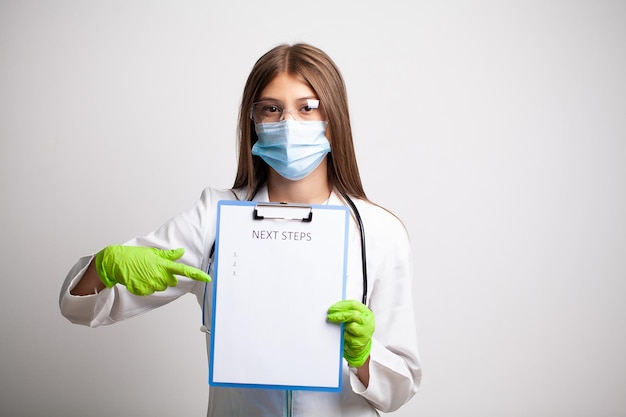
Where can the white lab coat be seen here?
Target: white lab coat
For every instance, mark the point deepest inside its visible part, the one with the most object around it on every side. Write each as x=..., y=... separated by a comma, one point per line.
x=395, y=371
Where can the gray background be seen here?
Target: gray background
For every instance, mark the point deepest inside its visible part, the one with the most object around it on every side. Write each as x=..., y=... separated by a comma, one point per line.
x=495, y=130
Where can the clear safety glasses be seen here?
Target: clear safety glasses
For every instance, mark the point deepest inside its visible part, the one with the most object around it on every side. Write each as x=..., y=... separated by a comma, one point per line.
x=269, y=111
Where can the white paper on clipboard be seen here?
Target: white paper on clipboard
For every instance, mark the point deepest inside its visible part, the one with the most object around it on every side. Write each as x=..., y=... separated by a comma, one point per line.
x=277, y=270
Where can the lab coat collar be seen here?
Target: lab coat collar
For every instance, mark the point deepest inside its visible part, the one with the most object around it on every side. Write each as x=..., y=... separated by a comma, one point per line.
x=334, y=199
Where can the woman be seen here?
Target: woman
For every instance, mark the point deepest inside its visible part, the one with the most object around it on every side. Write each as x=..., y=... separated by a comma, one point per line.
x=295, y=146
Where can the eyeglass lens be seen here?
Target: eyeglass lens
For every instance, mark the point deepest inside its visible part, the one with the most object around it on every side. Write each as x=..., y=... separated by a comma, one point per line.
x=269, y=111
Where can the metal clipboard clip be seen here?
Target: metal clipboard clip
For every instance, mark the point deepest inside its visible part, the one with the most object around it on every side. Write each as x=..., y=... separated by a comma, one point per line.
x=283, y=211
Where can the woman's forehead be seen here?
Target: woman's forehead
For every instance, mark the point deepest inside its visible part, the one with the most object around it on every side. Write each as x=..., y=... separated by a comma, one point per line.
x=287, y=87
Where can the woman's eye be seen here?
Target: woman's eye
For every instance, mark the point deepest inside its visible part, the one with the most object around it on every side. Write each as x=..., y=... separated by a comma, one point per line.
x=309, y=106
x=272, y=109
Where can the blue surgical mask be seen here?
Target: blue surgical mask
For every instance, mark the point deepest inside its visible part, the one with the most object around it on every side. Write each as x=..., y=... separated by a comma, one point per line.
x=293, y=148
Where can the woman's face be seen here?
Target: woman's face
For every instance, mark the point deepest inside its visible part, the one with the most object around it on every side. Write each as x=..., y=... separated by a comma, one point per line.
x=288, y=97
x=291, y=92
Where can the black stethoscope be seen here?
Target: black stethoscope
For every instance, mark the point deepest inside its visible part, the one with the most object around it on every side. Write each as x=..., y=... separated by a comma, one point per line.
x=359, y=223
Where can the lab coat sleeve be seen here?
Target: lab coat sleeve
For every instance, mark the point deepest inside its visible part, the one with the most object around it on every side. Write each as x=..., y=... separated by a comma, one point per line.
x=193, y=230
x=395, y=371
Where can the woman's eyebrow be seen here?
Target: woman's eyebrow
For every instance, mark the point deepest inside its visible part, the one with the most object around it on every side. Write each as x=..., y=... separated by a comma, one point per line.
x=312, y=97
x=269, y=99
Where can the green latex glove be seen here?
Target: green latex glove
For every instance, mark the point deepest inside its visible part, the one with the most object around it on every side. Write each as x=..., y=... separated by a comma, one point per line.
x=143, y=270
x=358, y=329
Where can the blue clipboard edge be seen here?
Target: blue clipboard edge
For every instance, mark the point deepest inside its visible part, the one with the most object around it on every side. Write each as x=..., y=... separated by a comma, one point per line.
x=314, y=207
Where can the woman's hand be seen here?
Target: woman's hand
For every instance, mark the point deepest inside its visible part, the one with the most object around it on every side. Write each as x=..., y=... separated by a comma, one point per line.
x=143, y=270
x=358, y=330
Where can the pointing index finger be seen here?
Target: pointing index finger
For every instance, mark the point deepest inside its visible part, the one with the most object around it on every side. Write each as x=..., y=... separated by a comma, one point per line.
x=189, y=272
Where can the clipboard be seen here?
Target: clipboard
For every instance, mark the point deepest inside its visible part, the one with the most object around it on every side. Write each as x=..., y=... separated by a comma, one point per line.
x=277, y=269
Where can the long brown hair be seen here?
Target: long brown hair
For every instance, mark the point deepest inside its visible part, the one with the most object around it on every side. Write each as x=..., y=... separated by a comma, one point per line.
x=315, y=68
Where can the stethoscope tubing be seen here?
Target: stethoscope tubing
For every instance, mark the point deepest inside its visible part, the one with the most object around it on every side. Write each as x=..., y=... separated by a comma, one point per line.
x=359, y=222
